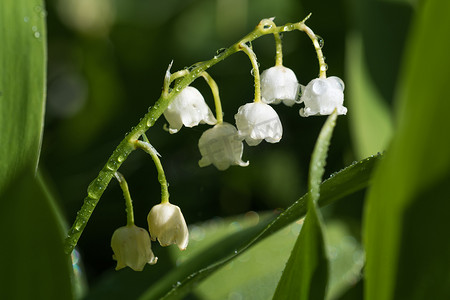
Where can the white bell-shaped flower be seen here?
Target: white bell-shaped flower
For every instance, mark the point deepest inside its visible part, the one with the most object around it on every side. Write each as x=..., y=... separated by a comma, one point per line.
x=189, y=109
x=258, y=121
x=279, y=84
x=131, y=246
x=166, y=223
x=322, y=96
x=222, y=147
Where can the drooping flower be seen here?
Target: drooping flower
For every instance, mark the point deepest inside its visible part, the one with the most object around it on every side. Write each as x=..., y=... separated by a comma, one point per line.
x=258, y=121
x=222, y=147
x=166, y=223
x=131, y=246
x=322, y=96
x=189, y=109
x=279, y=84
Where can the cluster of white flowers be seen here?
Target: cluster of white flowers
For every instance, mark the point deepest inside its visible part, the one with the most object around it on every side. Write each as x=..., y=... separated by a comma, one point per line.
x=222, y=145
x=131, y=244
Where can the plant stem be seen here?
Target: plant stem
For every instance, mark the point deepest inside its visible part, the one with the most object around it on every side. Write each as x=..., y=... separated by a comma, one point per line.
x=126, y=194
x=252, y=56
x=127, y=145
x=215, y=91
x=322, y=65
x=147, y=147
x=279, y=50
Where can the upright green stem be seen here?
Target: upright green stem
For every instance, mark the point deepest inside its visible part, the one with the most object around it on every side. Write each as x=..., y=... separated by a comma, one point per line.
x=128, y=144
x=147, y=147
x=126, y=194
x=254, y=61
x=215, y=91
x=322, y=65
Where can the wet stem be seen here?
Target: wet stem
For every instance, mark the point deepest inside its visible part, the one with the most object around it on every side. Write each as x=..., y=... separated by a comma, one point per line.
x=128, y=144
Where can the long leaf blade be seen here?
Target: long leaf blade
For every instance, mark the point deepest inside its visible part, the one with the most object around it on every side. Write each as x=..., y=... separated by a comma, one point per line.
x=22, y=85
x=339, y=185
x=306, y=272
x=407, y=213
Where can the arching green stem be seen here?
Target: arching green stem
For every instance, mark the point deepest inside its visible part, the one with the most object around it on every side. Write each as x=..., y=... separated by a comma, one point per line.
x=252, y=56
x=215, y=91
x=322, y=65
x=128, y=144
x=126, y=194
x=147, y=147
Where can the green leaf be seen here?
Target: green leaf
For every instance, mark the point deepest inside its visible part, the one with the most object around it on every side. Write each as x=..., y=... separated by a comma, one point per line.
x=22, y=85
x=407, y=215
x=371, y=124
x=188, y=274
x=33, y=262
x=306, y=272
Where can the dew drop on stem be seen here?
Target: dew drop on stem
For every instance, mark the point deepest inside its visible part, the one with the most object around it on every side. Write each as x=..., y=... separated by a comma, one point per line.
x=320, y=41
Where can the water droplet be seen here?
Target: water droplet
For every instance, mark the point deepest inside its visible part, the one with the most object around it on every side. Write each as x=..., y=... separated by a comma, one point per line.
x=111, y=165
x=235, y=251
x=37, y=34
x=267, y=26
x=220, y=51
x=37, y=8
x=120, y=159
x=34, y=28
x=26, y=19
x=252, y=71
x=324, y=67
x=320, y=41
x=150, y=122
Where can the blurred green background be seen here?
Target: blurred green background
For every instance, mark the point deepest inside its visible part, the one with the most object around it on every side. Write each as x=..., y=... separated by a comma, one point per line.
x=106, y=61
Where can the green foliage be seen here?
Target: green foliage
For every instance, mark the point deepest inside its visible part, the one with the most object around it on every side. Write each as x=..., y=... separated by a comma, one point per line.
x=306, y=272
x=22, y=86
x=31, y=227
x=407, y=208
x=205, y=263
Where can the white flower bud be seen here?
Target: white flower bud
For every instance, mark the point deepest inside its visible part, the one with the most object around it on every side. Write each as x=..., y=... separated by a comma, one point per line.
x=189, y=109
x=166, y=223
x=279, y=84
x=258, y=121
x=132, y=248
x=322, y=95
x=222, y=147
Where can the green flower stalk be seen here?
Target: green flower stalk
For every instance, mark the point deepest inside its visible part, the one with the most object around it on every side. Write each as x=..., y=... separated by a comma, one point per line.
x=186, y=77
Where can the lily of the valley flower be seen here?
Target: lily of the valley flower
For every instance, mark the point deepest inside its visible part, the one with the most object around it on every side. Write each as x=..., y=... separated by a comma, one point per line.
x=166, y=223
x=131, y=247
x=279, y=84
x=322, y=96
x=258, y=121
x=222, y=147
x=189, y=109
